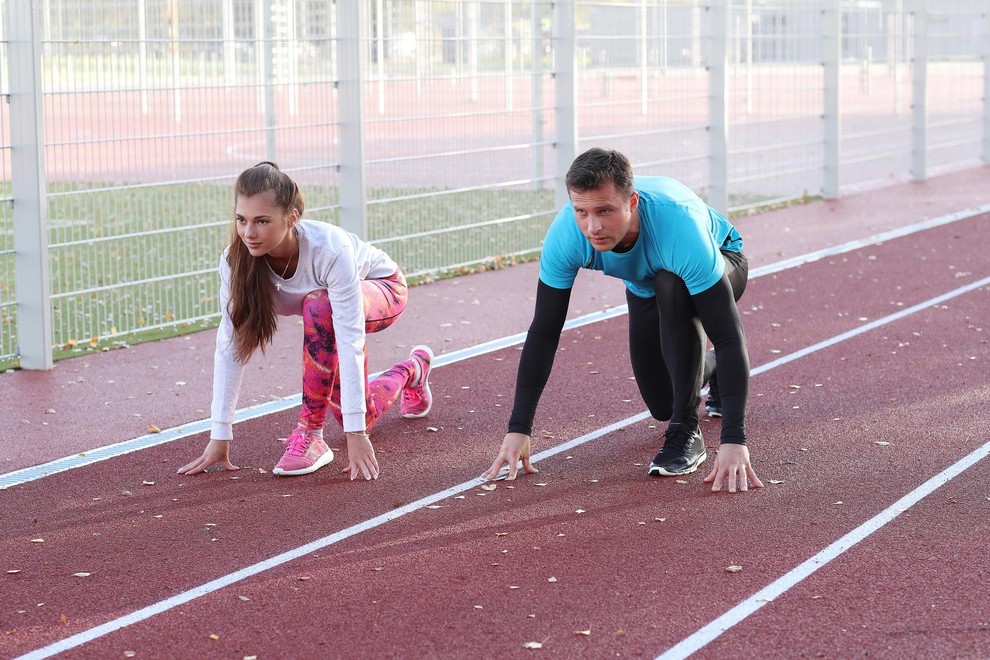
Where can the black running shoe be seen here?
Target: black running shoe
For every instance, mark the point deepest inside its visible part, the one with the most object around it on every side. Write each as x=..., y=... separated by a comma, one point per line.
x=683, y=451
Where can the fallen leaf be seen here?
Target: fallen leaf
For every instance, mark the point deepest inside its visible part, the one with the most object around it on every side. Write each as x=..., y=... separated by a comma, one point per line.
x=776, y=481
x=488, y=487
x=553, y=579
x=583, y=632
x=130, y=654
x=733, y=568
x=13, y=571
x=37, y=540
x=881, y=443
x=147, y=483
x=214, y=636
x=434, y=506
x=81, y=575
x=681, y=481
x=579, y=511
x=64, y=618
x=244, y=598
x=432, y=429
x=153, y=429
x=532, y=645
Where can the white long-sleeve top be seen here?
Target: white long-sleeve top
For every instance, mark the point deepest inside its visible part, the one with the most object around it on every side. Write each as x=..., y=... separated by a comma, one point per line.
x=330, y=258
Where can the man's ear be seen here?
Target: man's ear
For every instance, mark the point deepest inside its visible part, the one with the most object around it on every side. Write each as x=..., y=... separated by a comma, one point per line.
x=633, y=201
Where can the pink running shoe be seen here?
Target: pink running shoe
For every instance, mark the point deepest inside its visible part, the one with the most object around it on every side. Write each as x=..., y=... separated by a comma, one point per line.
x=416, y=397
x=305, y=452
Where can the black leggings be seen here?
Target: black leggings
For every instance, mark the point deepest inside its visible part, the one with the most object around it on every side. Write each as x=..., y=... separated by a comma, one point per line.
x=670, y=379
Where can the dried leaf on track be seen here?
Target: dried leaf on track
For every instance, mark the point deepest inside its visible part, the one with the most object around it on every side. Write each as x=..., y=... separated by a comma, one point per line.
x=583, y=632
x=733, y=569
x=153, y=429
x=37, y=540
x=532, y=645
x=81, y=575
x=489, y=486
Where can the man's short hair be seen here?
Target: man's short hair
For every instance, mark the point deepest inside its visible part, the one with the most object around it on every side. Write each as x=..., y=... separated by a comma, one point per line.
x=596, y=167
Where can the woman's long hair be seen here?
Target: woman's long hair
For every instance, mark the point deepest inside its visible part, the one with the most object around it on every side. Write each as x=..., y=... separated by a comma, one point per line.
x=252, y=296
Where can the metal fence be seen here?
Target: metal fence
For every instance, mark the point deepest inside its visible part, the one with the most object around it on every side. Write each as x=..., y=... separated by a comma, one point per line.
x=440, y=130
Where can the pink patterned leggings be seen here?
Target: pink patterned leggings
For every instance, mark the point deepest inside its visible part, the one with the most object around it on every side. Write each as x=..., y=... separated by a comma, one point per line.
x=384, y=300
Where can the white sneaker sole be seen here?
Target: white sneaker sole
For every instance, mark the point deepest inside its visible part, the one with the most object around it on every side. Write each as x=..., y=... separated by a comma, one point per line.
x=659, y=471
x=320, y=462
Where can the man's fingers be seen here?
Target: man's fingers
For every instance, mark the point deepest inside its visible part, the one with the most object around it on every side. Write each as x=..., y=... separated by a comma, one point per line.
x=753, y=478
x=493, y=471
x=513, y=462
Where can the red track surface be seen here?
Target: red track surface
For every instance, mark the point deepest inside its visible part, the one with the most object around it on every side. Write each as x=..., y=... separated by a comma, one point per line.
x=844, y=431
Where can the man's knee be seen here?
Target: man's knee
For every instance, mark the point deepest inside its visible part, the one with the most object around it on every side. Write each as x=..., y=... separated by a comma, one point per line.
x=669, y=287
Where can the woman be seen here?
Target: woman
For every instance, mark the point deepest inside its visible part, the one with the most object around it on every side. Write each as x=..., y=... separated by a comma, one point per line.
x=279, y=264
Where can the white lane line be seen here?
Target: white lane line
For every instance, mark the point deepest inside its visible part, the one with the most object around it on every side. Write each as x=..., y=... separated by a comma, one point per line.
x=778, y=587
x=107, y=452
x=215, y=585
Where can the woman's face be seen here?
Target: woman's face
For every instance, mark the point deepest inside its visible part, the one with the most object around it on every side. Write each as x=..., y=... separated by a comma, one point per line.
x=263, y=226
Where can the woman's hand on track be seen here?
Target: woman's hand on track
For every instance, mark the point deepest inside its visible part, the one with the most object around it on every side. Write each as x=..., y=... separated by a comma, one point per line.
x=360, y=457
x=217, y=451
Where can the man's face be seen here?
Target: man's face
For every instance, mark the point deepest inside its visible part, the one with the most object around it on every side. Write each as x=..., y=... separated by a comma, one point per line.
x=605, y=216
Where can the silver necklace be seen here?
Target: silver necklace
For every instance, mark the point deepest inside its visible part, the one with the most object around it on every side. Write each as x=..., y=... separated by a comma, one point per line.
x=278, y=285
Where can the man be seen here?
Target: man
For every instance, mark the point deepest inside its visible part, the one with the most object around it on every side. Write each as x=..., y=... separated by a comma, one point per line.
x=684, y=270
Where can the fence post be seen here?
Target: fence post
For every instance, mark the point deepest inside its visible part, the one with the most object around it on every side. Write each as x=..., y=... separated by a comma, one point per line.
x=28, y=188
x=350, y=101
x=832, y=51
x=718, y=115
x=537, y=120
x=986, y=86
x=919, y=90
x=565, y=75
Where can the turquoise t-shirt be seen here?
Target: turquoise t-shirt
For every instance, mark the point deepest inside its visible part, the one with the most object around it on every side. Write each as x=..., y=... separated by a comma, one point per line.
x=678, y=232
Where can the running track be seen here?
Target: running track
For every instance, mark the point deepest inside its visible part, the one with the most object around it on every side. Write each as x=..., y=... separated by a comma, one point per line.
x=869, y=378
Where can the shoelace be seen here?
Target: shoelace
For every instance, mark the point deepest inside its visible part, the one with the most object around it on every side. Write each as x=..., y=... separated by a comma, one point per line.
x=298, y=441
x=677, y=441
